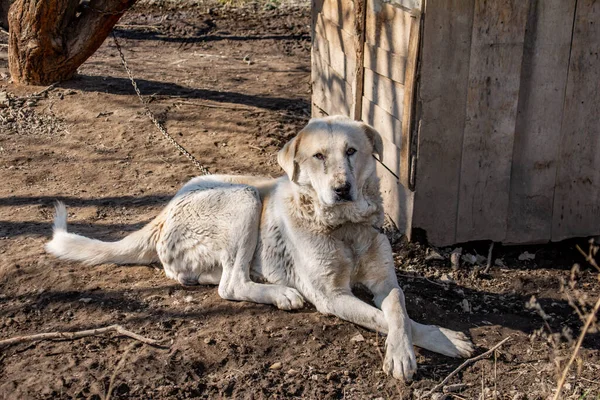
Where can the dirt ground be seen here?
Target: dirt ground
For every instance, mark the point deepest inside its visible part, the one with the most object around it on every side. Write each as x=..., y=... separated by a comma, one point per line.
x=232, y=85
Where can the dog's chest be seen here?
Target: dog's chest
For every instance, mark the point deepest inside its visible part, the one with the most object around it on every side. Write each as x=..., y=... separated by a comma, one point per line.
x=273, y=260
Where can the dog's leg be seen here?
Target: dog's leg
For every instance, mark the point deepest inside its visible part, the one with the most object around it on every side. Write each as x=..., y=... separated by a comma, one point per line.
x=400, y=359
x=235, y=281
x=380, y=278
x=441, y=340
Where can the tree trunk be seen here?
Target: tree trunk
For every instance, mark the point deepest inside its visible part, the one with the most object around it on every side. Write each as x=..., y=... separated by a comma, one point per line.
x=50, y=39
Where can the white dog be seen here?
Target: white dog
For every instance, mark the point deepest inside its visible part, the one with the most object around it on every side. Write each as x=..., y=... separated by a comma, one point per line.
x=311, y=235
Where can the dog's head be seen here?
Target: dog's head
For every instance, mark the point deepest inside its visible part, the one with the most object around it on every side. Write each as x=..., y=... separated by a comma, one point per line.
x=333, y=157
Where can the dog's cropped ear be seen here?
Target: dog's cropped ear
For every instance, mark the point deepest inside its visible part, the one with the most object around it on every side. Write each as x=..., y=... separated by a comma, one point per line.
x=287, y=158
x=375, y=139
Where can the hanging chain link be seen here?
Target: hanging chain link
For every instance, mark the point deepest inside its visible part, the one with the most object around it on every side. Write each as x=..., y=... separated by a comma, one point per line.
x=103, y=12
x=151, y=115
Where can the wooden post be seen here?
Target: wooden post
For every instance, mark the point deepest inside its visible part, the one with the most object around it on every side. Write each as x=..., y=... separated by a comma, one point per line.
x=359, y=40
x=407, y=177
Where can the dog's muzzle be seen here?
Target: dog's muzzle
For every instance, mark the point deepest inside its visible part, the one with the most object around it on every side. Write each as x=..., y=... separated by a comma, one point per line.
x=342, y=193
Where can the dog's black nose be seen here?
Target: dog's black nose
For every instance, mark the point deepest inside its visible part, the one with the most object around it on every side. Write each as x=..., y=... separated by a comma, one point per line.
x=343, y=192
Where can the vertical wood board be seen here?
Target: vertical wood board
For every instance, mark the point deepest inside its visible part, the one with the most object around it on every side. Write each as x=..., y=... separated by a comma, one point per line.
x=539, y=116
x=577, y=196
x=408, y=107
x=446, y=46
x=359, y=71
x=494, y=79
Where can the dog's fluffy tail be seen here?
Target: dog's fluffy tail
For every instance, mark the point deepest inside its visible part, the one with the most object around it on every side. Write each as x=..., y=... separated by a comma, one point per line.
x=137, y=248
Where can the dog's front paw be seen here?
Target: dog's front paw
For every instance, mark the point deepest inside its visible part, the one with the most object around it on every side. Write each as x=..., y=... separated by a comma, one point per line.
x=459, y=344
x=400, y=360
x=289, y=299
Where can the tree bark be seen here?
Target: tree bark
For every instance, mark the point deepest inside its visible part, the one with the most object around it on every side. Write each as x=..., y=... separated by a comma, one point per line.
x=50, y=39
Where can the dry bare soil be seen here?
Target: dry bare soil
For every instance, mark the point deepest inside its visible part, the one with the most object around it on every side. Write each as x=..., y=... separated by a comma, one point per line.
x=232, y=85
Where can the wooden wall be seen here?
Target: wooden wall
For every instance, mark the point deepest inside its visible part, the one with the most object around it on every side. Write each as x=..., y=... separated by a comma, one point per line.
x=381, y=67
x=489, y=109
x=509, y=146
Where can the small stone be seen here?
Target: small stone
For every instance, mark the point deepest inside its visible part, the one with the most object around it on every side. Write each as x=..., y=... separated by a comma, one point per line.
x=315, y=377
x=292, y=371
x=526, y=256
x=466, y=306
x=357, y=338
x=85, y=299
x=4, y=102
x=434, y=255
x=470, y=259
x=275, y=366
x=208, y=340
x=331, y=376
x=188, y=299
x=455, y=258
x=446, y=278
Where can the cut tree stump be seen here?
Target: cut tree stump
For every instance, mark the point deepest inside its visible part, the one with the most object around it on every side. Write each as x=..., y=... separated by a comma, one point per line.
x=50, y=39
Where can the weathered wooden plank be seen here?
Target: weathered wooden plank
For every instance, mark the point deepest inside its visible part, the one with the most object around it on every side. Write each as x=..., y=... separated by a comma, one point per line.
x=336, y=36
x=407, y=4
x=384, y=92
x=385, y=124
x=388, y=126
x=315, y=9
x=341, y=13
x=385, y=63
x=331, y=93
x=577, y=196
x=445, y=56
x=540, y=109
x=494, y=79
x=388, y=27
x=335, y=58
x=397, y=201
x=408, y=113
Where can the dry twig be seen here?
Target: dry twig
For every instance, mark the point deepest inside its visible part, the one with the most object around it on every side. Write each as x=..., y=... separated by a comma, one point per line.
x=225, y=107
x=489, y=259
x=463, y=366
x=79, y=334
x=421, y=277
x=588, y=322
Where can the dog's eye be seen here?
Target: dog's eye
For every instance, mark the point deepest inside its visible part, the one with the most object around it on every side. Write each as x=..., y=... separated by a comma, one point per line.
x=350, y=151
x=319, y=156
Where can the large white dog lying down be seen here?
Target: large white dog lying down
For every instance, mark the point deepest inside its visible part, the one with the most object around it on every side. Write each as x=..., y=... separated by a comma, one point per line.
x=311, y=235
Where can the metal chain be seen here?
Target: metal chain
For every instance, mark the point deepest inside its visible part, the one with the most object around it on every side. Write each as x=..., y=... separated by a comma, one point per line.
x=150, y=114
x=103, y=12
